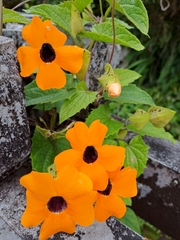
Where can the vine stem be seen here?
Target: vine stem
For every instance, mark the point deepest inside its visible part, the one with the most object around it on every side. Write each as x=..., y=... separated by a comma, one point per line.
x=91, y=15
x=114, y=31
x=107, y=13
x=1, y=16
x=20, y=4
x=101, y=9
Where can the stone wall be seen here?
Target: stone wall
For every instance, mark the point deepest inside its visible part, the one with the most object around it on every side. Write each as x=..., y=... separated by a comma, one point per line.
x=14, y=128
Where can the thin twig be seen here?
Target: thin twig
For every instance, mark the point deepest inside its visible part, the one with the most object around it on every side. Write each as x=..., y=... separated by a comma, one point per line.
x=120, y=119
x=114, y=31
x=20, y=4
x=92, y=15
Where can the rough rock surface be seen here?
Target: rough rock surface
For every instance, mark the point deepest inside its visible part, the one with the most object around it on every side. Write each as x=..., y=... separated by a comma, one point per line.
x=14, y=128
x=159, y=187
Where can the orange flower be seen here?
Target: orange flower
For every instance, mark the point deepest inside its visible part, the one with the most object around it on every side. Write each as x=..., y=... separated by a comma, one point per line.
x=121, y=184
x=88, y=154
x=47, y=54
x=59, y=203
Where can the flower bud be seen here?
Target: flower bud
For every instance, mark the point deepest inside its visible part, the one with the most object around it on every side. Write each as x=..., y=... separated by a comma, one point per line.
x=114, y=89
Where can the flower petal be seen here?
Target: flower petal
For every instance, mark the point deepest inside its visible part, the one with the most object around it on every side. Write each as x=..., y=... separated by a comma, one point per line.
x=53, y=36
x=97, y=174
x=33, y=33
x=124, y=183
x=81, y=209
x=97, y=133
x=107, y=206
x=70, y=183
x=55, y=223
x=29, y=60
x=40, y=184
x=68, y=157
x=50, y=75
x=35, y=212
x=77, y=136
x=111, y=157
x=70, y=58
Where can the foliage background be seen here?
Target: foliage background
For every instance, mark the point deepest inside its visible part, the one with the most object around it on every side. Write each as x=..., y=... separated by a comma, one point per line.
x=159, y=62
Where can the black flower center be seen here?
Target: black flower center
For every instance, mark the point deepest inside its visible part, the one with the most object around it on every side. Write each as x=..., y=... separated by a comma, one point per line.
x=107, y=191
x=47, y=53
x=57, y=204
x=90, y=154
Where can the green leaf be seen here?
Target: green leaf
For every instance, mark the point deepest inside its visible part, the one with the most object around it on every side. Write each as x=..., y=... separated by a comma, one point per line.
x=108, y=77
x=135, y=12
x=103, y=113
x=151, y=130
x=13, y=16
x=110, y=141
x=61, y=16
x=126, y=76
x=79, y=100
x=122, y=134
x=45, y=147
x=136, y=154
x=130, y=219
x=35, y=95
x=139, y=119
x=127, y=201
x=132, y=94
x=48, y=106
x=79, y=4
x=86, y=60
x=160, y=116
x=120, y=22
x=103, y=32
x=52, y=170
x=76, y=21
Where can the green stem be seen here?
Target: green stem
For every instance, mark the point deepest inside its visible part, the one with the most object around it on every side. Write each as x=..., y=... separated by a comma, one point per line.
x=53, y=119
x=1, y=16
x=20, y=4
x=89, y=13
x=71, y=81
x=107, y=13
x=101, y=9
x=91, y=45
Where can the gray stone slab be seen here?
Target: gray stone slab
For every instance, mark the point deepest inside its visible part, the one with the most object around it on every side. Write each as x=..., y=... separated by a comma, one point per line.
x=164, y=152
x=12, y=205
x=6, y=233
x=14, y=31
x=159, y=187
x=14, y=127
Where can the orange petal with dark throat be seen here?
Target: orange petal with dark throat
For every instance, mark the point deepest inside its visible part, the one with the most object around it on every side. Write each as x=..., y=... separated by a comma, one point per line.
x=29, y=60
x=53, y=36
x=70, y=58
x=35, y=213
x=33, y=33
x=107, y=206
x=125, y=182
x=50, y=75
x=111, y=157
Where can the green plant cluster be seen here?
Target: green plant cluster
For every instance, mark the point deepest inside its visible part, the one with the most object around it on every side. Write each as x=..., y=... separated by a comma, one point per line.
x=67, y=104
x=158, y=63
